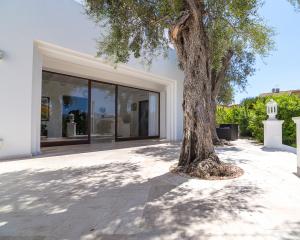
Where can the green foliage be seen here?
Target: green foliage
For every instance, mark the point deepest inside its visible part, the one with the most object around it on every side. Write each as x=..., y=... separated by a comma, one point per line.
x=138, y=27
x=295, y=3
x=236, y=25
x=133, y=26
x=234, y=114
x=226, y=93
x=240, y=68
x=228, y=114
x=256, y=116
x=252, y=111
x=288, y=107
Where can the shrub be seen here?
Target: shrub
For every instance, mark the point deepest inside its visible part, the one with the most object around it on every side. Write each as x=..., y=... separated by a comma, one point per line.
x=252, y=111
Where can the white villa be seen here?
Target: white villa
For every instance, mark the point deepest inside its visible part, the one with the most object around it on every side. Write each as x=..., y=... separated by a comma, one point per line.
x=54, y=91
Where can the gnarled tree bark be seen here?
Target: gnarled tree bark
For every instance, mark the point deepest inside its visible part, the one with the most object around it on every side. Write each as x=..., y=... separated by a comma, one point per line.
x=197, y=156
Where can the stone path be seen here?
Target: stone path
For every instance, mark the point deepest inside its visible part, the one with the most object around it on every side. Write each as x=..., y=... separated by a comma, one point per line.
x=128, y=193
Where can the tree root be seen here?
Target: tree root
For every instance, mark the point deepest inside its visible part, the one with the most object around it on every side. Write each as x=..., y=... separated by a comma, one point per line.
x=211, y=169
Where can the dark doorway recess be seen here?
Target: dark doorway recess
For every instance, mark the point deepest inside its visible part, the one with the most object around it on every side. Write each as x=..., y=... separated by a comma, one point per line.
x=144, y=118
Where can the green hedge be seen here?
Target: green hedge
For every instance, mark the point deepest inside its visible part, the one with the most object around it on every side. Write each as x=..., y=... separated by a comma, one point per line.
x=252, y=111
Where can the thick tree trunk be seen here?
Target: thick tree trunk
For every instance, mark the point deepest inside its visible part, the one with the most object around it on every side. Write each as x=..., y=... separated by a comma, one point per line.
x=197, y=153
x=197, y=141
x=197, y=157
x=213, y=125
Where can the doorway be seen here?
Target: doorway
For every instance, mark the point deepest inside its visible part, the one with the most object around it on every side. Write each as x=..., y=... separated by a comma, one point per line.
x=76, y=110
x=144, y=118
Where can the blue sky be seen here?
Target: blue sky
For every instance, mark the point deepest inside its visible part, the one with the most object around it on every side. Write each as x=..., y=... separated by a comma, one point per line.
x=281, y=68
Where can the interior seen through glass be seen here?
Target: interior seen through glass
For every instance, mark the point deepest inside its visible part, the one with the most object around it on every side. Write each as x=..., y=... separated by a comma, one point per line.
x=102, y=112
x=64, y=113
x=67, y=108
x=137, y=113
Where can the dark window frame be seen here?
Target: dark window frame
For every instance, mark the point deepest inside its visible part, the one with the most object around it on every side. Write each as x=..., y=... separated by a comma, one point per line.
x=117, y=139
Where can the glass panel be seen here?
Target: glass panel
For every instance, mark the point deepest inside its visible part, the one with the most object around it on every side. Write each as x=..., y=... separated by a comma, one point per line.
x=64, y=108
x=138, y=113
x=153, y=114
x=65, y=103
x=102, y=112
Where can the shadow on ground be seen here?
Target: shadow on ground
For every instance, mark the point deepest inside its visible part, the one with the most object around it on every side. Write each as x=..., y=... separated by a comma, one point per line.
x=114, y=201
x=293, y=231
x=171, y=151
x=166, y=152
x=287, y=149
x=89, y=148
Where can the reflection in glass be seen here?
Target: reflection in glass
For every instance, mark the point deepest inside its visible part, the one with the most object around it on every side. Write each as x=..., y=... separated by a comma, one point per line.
x=65, y=114
x=153, y=114
x=138, y=113
x=64, y=108
x=102, y=112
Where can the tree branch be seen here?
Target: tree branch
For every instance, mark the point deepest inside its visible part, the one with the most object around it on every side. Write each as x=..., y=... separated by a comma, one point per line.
x=194, y=9
x=177, y=28
x=218, y=78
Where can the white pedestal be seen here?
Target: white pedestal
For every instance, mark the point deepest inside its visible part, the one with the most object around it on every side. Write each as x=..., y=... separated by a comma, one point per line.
x=71, y=129
x=297, y=121
x=273, y=133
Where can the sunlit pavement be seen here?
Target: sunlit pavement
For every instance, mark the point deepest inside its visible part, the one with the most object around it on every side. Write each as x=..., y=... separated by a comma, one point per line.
x=127, y=192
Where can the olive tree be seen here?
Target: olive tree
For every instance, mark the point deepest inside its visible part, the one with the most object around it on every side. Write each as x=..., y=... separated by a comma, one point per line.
x=206, y=35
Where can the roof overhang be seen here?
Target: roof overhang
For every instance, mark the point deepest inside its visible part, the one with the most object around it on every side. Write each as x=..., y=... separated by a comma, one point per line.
x=67, y=61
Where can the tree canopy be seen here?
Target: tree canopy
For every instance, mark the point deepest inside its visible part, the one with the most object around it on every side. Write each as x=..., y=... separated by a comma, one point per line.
x=295, y=3
x=240, y=69
x=236, y=78
x=139, y=27
x=214, y=41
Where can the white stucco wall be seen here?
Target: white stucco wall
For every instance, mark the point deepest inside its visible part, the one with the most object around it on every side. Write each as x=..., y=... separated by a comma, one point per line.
x=59, y=22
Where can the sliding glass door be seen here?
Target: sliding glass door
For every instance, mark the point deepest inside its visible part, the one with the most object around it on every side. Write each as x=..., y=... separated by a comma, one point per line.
x=64, y=113
x=138, y=113
x=153, y=114
x=76, y=110
x=102, y=112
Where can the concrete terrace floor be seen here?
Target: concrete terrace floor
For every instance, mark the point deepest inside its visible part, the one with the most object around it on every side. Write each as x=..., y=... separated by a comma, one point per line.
x=128, y=193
